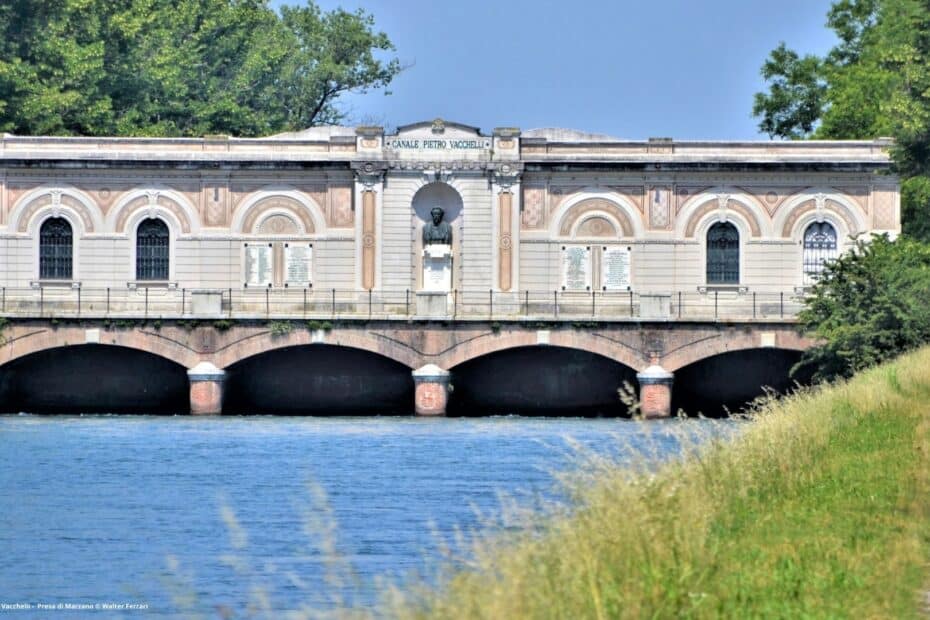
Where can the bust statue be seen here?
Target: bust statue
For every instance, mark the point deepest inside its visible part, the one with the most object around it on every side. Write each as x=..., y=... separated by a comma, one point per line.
x=437, y=231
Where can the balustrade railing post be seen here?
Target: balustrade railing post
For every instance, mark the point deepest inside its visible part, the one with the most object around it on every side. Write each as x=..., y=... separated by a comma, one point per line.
x=183, y=298
x=407, y=302
x=526, y=303
x=146, y=302
x=555, y=303
x=267, y=302
x=679, y=304
x=781, y=303
x=369, y=304
x=305, y=302
x=108, y=301
x=716, y=296
x=593, y=308
x=41, y=302
x=4, y=300
x=491, y=304
x=334, y=303
x=79, y=301
x=230, y=303
x=455, y=302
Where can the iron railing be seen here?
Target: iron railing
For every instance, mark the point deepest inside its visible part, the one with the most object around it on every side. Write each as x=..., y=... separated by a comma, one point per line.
x=151, y=302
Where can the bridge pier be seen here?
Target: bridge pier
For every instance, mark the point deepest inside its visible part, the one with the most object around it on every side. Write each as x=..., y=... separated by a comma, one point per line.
x=431, y=390
x=206, y=389
x=655, y=392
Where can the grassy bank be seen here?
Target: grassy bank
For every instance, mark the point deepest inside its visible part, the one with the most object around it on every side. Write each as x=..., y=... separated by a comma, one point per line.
x=820, y=508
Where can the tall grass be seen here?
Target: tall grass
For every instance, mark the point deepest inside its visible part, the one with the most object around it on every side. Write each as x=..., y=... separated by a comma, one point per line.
x=819, y=508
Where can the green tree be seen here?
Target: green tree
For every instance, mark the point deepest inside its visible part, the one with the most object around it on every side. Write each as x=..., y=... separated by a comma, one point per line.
x=181, y=67
x=869, y=306
x=874, y=82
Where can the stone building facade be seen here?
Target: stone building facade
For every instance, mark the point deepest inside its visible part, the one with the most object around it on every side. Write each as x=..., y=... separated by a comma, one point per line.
x=342, y=208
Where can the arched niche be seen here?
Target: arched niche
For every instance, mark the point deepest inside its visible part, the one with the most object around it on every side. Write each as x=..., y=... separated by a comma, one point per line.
x=440, y=195
x=444, y=196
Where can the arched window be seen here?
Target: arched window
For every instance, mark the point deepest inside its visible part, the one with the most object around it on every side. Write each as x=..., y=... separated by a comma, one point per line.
x=152, y=244
x=819, y=247
x=723, y=254
x=55, y=245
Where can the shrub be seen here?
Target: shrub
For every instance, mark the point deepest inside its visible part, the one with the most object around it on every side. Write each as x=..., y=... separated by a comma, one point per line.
x=870, y=305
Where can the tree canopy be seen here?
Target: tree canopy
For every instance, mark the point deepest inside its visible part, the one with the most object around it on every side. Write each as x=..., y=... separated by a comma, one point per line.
x=182, y=67
x=870, y=305
x=874, y=82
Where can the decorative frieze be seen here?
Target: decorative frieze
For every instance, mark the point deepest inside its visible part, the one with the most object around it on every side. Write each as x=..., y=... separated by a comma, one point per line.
x=534, y=208
x=659, y=207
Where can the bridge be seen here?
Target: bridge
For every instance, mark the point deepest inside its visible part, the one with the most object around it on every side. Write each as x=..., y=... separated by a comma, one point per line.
x=432, y=268
x=300, y=351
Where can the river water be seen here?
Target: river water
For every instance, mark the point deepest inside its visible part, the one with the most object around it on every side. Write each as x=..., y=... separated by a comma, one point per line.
x=179, y=514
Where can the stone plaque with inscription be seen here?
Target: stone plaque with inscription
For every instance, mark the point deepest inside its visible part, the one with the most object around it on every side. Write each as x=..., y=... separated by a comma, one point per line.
x=615, y=268
x=298, y=262
x=437, y=267
x=576, y=268
x=258, y=264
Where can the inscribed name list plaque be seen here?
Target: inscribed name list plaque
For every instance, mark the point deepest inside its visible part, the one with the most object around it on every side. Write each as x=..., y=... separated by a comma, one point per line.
x=437, y=268
x=298, y=261
x=258, y=265
x=615, y=268
x=576, y=268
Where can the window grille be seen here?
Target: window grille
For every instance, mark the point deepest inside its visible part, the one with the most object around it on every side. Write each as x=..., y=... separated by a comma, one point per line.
x=55, y=249
x=152, y=245
x=819, y=247
x=723, y=254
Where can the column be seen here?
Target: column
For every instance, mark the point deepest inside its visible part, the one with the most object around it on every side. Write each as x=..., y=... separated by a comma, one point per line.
x=206, y=389
x=431, y=390
x=655, y=392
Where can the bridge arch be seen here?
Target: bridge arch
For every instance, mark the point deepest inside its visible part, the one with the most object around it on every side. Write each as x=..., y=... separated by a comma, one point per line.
x=318, y=379
x=565, y=338
x=729, y=380
x=539, y=380
x=262, y=341
x=742, y=340
x=23, y=340
x=93, y=378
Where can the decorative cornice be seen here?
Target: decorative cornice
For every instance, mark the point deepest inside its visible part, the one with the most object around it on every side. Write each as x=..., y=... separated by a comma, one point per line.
x=369, y=173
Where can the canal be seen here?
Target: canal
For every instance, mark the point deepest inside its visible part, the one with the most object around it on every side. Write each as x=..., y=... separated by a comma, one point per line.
x=184, y=515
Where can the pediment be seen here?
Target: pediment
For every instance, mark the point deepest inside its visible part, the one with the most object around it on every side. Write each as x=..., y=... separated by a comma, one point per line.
x=437, y=136
x=438, y=127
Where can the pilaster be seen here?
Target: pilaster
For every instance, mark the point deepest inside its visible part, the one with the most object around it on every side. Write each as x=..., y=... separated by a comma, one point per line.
x=506, y=226
x=369, y=186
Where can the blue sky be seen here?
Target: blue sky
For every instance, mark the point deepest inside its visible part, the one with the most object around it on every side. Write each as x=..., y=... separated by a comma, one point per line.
x=677, y=68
